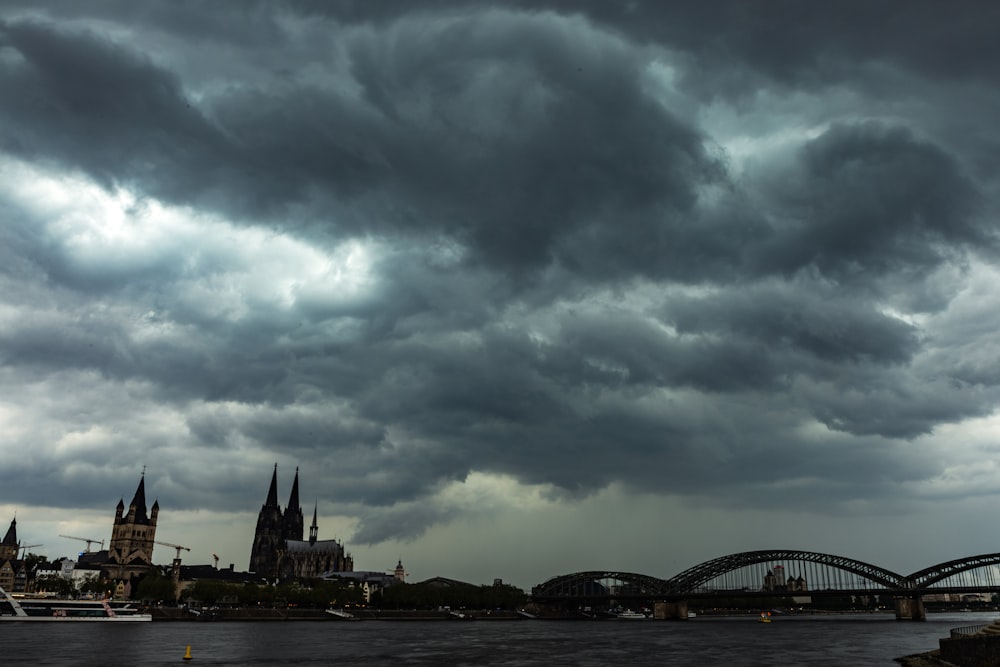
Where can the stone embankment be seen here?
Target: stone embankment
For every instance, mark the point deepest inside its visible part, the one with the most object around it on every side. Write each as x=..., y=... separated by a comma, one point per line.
x=295, y=614
x=973, y=646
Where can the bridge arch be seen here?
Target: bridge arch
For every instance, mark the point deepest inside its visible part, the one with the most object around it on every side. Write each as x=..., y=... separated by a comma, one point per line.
x=586, y=585
x=936, y=573
x=689, y=580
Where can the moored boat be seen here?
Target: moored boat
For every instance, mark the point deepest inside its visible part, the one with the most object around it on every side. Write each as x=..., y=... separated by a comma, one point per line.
x=55, y=609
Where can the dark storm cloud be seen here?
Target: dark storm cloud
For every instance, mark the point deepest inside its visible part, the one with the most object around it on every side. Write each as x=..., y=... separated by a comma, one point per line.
x=505, y=149
x=825, y=324
x=576, y=279
x=787, y=41
x=865, y=200
x=90, y=103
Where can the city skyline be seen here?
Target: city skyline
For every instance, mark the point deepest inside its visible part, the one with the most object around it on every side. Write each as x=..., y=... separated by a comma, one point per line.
x=523, y=288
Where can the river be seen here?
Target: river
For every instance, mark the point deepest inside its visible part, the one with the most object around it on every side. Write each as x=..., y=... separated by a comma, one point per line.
x=841, y=641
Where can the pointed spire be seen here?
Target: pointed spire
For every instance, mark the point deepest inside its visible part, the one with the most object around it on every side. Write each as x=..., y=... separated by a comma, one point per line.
x=10, y=539
x=139, y=499
x=314, y=528
x=272, y=493
x=293, y=499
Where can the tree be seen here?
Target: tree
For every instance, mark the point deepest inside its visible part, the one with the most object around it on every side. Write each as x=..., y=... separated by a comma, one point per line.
x=58, y=585
x=97, y=587
x=155, y=586
x=32, y=561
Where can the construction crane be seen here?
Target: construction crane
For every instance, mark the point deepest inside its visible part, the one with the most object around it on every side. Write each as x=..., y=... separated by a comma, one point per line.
x=85, y=539
x=175, y=546
x=176, y=573
x=25, y=548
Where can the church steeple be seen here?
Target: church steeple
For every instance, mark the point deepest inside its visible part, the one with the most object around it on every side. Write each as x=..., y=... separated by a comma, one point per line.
x=137, y=507
x=293, y=499
x=268, y=538
x=133, y=535
x=272, y=493
x=314, y=529
x=10, y=546
x=10, y=539
x=292, y=517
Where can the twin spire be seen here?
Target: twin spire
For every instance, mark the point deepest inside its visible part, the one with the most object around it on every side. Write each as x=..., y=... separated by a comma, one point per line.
x=272, y=492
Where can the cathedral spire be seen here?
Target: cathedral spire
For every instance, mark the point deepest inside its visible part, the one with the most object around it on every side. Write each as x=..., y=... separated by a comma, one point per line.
x=292, y=517
x=139, y=499
x=272, y=493
x=293, y=499
x=314, y=529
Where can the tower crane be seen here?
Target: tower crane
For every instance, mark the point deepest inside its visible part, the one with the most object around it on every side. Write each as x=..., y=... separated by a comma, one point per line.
x=85, y=539
x=25, y=548
x=176, y=574
x=175, y=546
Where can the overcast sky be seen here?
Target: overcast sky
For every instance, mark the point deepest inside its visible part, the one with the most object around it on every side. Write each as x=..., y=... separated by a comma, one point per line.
x=522, y=288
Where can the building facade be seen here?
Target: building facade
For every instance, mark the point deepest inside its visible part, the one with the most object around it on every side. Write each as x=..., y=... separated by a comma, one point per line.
x=130, y=551
x=278, y=550
x=9, y=562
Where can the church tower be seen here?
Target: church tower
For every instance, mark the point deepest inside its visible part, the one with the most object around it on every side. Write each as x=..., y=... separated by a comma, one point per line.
x=293, y=513
x=10, y=546
x=131, y=548
x=314, y=528
x=268, y=537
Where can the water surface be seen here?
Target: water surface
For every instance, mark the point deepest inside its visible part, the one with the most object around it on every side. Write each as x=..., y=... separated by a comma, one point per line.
x=838, y=641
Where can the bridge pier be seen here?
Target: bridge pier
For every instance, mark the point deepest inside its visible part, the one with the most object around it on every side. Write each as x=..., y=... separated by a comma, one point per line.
x=910, y=608
x=671, y=611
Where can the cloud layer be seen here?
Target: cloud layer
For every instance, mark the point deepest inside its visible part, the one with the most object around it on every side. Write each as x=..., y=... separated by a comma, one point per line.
x=729, y=256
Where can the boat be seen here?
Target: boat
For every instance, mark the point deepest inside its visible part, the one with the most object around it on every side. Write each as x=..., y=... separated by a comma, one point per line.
x=628, y=614
x=56, y=609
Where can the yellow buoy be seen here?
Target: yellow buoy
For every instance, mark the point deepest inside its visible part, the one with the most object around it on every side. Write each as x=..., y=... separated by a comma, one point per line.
x=187, y=654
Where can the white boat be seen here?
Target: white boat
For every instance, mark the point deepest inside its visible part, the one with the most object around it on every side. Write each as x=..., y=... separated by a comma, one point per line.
x=628, y=614
x=55, y=609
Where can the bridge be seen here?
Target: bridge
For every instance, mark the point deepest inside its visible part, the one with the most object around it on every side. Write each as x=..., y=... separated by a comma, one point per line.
x=774, y=574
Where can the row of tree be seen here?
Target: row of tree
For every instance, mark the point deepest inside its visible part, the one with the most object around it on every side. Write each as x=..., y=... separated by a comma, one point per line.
x=157, y=586
x=321, y=594
x=316, y=595
x=456, y=596
x=65, y=588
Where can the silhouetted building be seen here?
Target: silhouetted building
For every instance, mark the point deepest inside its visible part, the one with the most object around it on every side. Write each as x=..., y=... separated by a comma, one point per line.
x=130, y=552
x=278, y=550
x=9, y=563
x=775, y=580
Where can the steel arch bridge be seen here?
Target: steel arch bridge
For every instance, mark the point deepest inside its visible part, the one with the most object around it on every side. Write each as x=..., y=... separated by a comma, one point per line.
x=928, y=577
x=587, y=585
x=692, y=578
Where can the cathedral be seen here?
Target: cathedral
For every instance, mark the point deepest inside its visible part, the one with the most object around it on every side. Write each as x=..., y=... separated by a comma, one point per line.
x=278, y=550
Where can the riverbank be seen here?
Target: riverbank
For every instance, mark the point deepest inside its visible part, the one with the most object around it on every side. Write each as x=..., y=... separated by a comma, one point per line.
x=929, y=659
x=175, y=614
